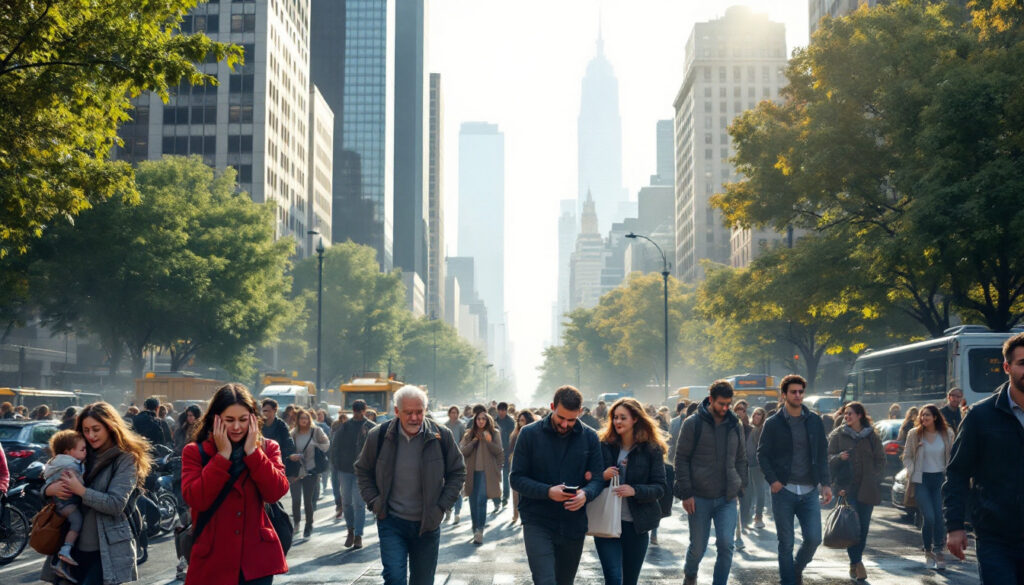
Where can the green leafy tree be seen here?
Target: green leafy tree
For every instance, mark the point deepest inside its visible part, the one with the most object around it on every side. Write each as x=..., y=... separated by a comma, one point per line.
x=363, y=311
x=67, y=71
x=459, y=365
x=899, y=135
x=193, y=268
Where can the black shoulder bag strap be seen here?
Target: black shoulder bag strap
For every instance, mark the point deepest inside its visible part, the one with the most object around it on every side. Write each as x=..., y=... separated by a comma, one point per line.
x=207, y=515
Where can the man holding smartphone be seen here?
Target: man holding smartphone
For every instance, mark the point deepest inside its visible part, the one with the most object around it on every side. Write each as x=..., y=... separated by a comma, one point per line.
x=556, y=468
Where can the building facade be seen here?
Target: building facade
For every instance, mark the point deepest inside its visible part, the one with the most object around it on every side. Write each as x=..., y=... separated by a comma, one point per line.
x=352, y=62
x=256, y=120
x=568, y=229
x=599, y=142
x=588, y=261
x=731, y=64
x=482, y=212
x=321, y=168
x=435, y=257
x=412, y=128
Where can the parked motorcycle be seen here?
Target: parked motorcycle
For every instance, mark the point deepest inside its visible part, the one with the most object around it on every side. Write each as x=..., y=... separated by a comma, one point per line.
x=26, y=491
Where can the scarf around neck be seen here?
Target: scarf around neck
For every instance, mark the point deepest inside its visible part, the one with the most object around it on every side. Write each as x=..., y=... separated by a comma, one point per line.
x=863, y=432
x=100, y=461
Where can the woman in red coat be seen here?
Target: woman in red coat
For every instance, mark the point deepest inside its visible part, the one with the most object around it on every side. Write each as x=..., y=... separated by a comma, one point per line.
x=229, y=433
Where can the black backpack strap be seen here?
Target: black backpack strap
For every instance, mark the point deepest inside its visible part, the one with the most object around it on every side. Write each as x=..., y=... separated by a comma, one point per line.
x=207, y=515
x=384, y=430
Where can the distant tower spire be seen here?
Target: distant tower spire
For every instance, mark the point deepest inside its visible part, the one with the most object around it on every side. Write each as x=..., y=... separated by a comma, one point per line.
x=588, y=222
x=600, y=30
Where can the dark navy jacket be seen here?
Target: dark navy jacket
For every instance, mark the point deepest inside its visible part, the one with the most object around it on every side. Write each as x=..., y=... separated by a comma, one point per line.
x=542, y=459
x=986, y=471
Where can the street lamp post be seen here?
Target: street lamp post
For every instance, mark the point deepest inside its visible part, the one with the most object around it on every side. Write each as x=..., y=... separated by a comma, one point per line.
x=487, y=376
x=319, y=303
x=433, y=317
x=664, y=279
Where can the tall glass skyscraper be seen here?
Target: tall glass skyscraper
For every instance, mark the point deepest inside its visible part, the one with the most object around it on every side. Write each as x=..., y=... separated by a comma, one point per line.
x=353, y=55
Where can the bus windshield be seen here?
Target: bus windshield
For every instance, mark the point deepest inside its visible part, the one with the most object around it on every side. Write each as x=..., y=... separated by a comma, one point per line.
x=373, y=399
x=985, y=368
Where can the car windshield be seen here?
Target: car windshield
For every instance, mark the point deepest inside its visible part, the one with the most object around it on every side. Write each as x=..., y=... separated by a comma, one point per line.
x=888, y=430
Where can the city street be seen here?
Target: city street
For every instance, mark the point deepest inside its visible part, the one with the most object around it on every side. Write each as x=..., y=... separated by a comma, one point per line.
x=892, y=557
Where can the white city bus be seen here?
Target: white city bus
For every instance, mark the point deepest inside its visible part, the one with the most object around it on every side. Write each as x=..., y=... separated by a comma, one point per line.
x=968, y=356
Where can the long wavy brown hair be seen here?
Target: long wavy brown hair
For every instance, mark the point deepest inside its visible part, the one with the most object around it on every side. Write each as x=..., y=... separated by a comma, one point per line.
x=225, y=396
x=645, y=430
x=488, y=428
x=125, y=438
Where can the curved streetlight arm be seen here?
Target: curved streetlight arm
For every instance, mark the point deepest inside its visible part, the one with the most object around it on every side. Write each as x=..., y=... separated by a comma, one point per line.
x=664, y=260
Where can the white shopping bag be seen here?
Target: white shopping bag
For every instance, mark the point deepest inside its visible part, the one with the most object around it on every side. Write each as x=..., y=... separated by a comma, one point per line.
x=604, y=514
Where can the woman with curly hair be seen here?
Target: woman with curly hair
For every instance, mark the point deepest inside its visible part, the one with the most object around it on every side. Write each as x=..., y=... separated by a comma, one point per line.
x=117, y=460
x=481, y=446
x=634, y=451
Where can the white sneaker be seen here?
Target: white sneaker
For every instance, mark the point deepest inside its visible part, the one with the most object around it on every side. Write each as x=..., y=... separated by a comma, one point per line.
x=929, y=562
x=940, y=560
x=478, y=537
x=457, y=518
x=448, y=515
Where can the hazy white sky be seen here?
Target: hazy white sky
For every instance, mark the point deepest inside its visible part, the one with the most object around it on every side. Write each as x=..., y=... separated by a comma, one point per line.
x=519, y=64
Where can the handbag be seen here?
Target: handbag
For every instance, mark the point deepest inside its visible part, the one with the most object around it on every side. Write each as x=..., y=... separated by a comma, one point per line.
x=319, y=457
x=842, y=527
x=668, y=498
x=281, y=522
x=47, y=530
x=604, y=514
x=910, y=495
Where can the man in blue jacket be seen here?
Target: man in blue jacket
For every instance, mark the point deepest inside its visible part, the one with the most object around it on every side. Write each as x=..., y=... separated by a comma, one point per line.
x=556, y=468
x=986, y=468
x=793, y=454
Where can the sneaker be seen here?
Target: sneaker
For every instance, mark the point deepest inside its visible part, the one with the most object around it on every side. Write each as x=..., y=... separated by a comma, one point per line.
x=478, y=537
x=456, y=520
x=758, y=523
x=62, y=570
x=740, y=545
x=654, y=539
x=929, y=560
x=448, y=515
x=181, y=571
x=357, y=542
x=940, y=560
x=65, y=555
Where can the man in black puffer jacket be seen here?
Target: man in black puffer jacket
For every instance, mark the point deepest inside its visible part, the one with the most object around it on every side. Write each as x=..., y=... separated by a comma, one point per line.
x=986, y=468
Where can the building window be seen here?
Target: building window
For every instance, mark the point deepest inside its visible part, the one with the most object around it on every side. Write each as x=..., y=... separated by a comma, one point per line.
x=241, y=83
x=707, y=92
x=240, y=114
x=243, y=23
x=239, y=143
x=707, y=154
x=722, y=74
x=722, y=92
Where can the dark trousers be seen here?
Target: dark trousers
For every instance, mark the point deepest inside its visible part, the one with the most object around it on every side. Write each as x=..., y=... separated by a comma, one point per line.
x=302, y=491
x=268, y=580
x=89, y=570
x=402, y=547
x=553, y=558
x=622, y=558
x=1000, y=562
x=856, y=552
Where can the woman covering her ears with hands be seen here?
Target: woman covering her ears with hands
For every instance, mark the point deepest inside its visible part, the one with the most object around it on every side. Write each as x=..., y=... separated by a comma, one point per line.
x=229, y=435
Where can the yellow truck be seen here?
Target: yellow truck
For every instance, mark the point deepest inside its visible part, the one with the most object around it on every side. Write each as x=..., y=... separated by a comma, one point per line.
x=175, y=387
x=372, y=387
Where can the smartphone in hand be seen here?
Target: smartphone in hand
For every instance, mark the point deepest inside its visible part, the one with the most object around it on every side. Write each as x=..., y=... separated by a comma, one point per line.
x=571, y=489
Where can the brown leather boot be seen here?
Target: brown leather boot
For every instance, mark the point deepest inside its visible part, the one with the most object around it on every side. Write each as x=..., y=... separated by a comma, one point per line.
x=348, y=538
x=357, y=542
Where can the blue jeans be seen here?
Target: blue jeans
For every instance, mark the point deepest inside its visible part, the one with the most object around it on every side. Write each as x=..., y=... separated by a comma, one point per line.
x=553, y=558
x=336, y=486
x=478, y=500
x=352, y=503
x=723, y=513
x=807, y=509
x=505, y=488
x=402, y=546
x=928, y=494
x=622, y=558
x=1000, y=562
x=856, y=552
x=758, y=488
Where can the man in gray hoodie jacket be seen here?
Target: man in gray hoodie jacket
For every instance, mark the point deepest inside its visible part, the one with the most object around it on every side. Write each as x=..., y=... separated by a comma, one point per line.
x=711, y=465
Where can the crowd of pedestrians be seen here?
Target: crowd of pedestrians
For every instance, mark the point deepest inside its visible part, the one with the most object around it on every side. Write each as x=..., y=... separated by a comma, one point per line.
x=733, y=466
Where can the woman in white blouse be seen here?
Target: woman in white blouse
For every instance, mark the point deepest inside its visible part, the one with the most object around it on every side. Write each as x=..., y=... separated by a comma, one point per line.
x=925, y=457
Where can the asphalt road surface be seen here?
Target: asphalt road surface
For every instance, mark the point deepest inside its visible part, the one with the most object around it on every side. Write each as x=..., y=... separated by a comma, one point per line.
x=893, y=557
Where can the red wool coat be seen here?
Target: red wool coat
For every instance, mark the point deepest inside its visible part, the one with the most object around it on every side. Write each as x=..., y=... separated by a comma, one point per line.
x=239, y=537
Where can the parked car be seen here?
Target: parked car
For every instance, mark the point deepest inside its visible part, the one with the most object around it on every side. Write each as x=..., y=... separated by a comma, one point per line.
x=26, y=441
x=888, y=430
x=823, y=404
x=899, y=490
